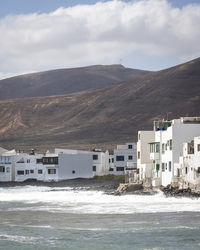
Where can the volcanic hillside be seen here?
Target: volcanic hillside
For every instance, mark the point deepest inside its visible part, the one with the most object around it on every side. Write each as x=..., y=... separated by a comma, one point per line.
x=65, y=81
x=102, y=117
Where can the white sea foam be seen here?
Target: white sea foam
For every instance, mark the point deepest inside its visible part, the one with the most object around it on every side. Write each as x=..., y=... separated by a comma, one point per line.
x=17, y=238
x=92, y=202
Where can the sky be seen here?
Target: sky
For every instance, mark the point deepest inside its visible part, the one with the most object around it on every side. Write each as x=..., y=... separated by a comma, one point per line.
x=39, y=35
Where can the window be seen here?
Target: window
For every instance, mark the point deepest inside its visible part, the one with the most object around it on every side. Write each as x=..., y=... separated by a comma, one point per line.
x=51, y=171
x=138, y=155
x=21, y=161
x=163, y=148
x=166, y=166
x=130, y=146
x=163, y=167
x=198, y=147
x=186, y=170
x=151, y=148
x=94, y=168
x=32, y=171
x=111, y=169
x=39, y=171
x=198, y=170
x=157, y=167
x=73, y=171
x=26, y=171
x=130, y=157
x=157, y=147
x=119, y=158
x=2, y=169
x=111, y=160
x=28, y=160
x=178, y=172
x=39, y=161
x=120, y=168
x=5, y=159
x=170, y=144
x=170, y=166
x=50, y=160
x=95, y=157
x=7, y=170
x=20, y=172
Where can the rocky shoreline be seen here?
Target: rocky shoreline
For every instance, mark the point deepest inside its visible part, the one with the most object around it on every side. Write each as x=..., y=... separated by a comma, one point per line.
x=146, y=189
x=135, y=189
x=88, y=184
x=111, y=187
x=175, y=191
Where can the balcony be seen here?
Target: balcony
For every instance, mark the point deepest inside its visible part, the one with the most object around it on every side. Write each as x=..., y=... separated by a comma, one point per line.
x=154, y=150
x=154, y=156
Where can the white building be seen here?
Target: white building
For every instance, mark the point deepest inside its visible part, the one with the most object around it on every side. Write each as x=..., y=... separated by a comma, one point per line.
x=7, y=165
x=111, y=164
x=123, y=155
x=144, y=163
x=167, y=146
x=100, y=160
x=188, y=169
x=26, y=167
x=52, y=166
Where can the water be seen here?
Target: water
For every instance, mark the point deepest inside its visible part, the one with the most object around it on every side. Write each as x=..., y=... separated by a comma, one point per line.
x=63, y=218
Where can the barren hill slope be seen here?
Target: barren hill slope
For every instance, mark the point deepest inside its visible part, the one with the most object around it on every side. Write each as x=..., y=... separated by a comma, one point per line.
x=65, y=81
x=105, y=117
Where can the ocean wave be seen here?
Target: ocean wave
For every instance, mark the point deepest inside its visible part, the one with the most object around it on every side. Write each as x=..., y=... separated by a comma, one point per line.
x=68, y=200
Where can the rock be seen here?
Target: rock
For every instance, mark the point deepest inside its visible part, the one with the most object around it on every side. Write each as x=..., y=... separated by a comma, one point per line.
x=175, y=191
x=129, y=187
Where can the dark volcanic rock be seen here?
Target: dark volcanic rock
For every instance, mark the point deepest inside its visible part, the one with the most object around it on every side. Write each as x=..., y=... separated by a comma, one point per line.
x=171, y=191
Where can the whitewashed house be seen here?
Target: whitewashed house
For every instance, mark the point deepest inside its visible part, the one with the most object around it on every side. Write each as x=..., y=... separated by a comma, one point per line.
x=101, y=164
x=61, y=165
x=7, y=166
x=52, y=166
x=100, y=160
x=124, y=155
x=26, y=167
x=188, y=169
x=111, y=168
x=166, y=147
x=144, y=163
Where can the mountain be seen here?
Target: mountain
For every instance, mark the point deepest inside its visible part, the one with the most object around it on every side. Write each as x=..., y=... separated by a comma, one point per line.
x=103, y=117
x=65, y=81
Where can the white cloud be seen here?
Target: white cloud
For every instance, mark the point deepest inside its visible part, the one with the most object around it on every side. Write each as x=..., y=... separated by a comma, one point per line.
x=100, y=33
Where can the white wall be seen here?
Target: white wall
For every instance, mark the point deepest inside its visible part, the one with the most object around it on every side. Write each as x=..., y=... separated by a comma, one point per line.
x=178, y=133
x=73, y=166
x=7, y=166
x=183, y=133
x=29, y=167
x=167, y=174
x=7, y=174
x=143, y=152
x=101, y=163
x=191, y=162
x=125, y=152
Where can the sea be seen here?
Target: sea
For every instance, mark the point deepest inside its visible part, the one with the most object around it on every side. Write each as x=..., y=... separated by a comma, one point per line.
x=40, y=217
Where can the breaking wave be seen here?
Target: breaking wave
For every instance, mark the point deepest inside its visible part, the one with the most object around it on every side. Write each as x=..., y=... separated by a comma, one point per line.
x=33, y=198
